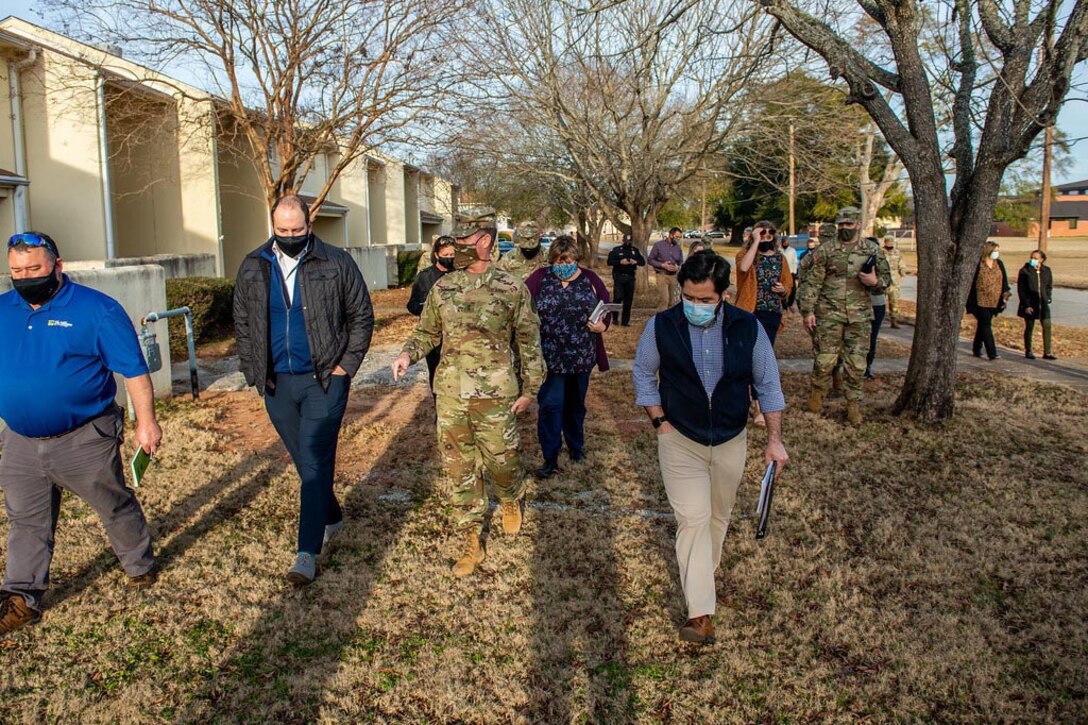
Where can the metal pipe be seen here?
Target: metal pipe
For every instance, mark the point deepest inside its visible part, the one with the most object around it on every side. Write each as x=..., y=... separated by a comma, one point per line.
x=104, y=164
x=15, y=92
x=190, y=342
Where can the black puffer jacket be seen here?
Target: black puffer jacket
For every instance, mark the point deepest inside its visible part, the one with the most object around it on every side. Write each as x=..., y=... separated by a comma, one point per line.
x=335, y=304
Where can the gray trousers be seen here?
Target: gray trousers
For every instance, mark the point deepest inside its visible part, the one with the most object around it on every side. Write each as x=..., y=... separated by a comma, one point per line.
x=87, y=462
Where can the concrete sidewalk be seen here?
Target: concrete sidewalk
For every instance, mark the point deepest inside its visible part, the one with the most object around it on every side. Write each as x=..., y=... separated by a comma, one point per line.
x=1072, y=372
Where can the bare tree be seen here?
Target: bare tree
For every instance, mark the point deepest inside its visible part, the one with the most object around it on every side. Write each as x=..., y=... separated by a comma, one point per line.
x=637, y=95
x=875, y=189
x=988, y=67
x=304, y=83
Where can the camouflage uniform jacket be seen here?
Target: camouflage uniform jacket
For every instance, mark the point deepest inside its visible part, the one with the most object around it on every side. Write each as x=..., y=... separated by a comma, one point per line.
x=895, y=265
x=831, y=288
x=474, y=318
x=516, y=264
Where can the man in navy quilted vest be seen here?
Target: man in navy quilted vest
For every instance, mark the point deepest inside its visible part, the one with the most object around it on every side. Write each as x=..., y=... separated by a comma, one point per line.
x=695, y=365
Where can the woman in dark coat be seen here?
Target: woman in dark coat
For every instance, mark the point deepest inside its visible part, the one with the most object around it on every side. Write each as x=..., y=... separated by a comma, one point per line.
x=989, y=293
x=1035, y=287
x=564, y=295
x=441, y=263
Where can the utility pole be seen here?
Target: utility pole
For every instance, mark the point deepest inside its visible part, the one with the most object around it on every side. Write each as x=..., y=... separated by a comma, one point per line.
x=793, y=185
x=1048, y=141
x=1044, y=202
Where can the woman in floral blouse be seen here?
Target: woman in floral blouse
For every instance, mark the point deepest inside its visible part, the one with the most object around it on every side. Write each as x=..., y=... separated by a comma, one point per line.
x=565, y=295
x=764, y=282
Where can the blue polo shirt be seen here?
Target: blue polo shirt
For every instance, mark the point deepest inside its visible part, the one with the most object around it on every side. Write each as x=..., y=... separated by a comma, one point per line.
x=56, y=362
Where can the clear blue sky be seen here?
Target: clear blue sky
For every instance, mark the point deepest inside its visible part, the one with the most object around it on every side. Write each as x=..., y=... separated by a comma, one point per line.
x=1073, y=119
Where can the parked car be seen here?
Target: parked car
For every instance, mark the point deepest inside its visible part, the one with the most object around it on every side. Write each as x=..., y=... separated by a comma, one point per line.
x=799, y=242
x=506, y=241
x=693, y=234
x=714, y=234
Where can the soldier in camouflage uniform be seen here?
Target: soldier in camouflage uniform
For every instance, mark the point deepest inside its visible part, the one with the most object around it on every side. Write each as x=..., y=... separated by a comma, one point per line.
x=895, y=265
x=478, y=314
x=835, y=304
x=526, y=259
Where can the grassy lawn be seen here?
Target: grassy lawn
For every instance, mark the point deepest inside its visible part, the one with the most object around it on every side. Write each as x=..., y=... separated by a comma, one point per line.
x=912, y=572
x=1068, y=258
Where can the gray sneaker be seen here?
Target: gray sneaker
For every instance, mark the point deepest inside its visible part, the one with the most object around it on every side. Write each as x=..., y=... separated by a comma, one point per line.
x=304, y=570
x=331, y=531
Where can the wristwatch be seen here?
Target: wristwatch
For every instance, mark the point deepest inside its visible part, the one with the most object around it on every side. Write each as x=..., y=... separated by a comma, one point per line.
x=658, y=421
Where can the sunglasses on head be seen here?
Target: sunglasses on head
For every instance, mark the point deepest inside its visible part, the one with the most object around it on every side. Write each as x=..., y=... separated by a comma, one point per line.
x=30, y=239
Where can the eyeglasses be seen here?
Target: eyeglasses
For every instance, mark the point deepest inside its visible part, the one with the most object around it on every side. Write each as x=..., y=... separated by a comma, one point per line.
x=30, y=239
x=765, y=232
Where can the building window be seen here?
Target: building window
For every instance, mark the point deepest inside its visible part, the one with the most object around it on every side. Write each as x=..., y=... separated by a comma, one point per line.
x=1072, y=223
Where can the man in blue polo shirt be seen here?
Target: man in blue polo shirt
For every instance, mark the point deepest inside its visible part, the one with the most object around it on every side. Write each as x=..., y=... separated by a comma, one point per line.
x=62, y=342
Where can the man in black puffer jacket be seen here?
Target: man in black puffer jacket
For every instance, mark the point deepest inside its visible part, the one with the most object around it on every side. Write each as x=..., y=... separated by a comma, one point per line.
x=303, y=321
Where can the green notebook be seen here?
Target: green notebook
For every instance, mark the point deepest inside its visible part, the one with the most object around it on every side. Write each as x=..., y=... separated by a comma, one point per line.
x=140, y=462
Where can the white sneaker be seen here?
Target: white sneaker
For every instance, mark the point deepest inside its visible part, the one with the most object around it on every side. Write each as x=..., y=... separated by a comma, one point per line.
x=304, y=570
x=331, y=531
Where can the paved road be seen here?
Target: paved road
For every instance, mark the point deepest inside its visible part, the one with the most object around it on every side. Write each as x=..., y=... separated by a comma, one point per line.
x=1070, y=305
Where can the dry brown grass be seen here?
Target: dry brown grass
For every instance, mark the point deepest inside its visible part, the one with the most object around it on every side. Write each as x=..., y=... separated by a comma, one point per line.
x=912, y=573
x=1068, y=258
x=391, y=298
x=1009, y=332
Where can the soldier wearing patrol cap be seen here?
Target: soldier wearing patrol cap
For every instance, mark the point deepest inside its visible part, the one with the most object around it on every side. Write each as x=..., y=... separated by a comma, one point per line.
x=479, y=315
x=895, y=264
x=836, y=308
x=526, y=259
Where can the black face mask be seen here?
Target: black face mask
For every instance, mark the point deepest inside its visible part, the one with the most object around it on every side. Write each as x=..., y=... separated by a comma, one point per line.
x=530, y=253
x=292, y=246
x=766, y=246
x=846, y=234
x=37, y=290
x=444, y=263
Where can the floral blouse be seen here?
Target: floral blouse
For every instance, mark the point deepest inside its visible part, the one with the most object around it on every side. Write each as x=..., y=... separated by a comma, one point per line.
x=768, y=272
x=569, y=347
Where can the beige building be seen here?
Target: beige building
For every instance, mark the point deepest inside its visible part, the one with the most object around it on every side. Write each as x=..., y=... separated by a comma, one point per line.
x=117, y=161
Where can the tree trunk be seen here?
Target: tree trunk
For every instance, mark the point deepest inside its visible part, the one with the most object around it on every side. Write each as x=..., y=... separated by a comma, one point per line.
x=947, y=259
x=641, y=229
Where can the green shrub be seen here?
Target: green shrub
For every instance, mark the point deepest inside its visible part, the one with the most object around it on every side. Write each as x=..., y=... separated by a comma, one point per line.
x=407, y=267
x=210, y=299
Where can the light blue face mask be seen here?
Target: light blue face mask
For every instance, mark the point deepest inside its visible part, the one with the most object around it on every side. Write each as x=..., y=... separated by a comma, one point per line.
x=700, y=315
x=1034, y=262
x=564, y=271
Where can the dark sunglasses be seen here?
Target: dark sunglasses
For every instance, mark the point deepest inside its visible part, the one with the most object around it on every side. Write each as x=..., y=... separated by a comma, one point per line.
x=31, y=239
x=765, y=232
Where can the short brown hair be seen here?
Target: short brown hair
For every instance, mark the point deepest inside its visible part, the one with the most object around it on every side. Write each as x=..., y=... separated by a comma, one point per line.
x=291, y=201
x=564, y=246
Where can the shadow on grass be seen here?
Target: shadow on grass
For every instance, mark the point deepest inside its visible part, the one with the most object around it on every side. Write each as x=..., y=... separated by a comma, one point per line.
x=579, y=669
x=282, y=667
x=256, y=469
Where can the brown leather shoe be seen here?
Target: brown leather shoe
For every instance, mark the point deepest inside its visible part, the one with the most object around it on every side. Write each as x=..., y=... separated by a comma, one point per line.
x=145, y=580
x=473, y=554
x=511, y=517
x=16, y=613
x=698, y=630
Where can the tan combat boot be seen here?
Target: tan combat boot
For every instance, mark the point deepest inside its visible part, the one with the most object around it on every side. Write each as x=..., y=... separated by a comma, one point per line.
x=511, y=517
x=853, y=412
x=815, y=402
x=474, y=554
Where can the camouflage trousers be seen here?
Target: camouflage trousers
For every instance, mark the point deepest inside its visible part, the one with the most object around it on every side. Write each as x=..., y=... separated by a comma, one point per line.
x=474, y=434
x=848, y=341
x=891, y=293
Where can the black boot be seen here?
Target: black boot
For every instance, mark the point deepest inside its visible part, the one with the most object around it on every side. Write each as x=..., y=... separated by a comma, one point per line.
x=548, y=469
x=1028, y=355
x=869, y=372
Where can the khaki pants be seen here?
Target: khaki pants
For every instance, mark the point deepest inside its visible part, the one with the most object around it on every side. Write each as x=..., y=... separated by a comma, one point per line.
x=668, y=294
x=701, y=483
